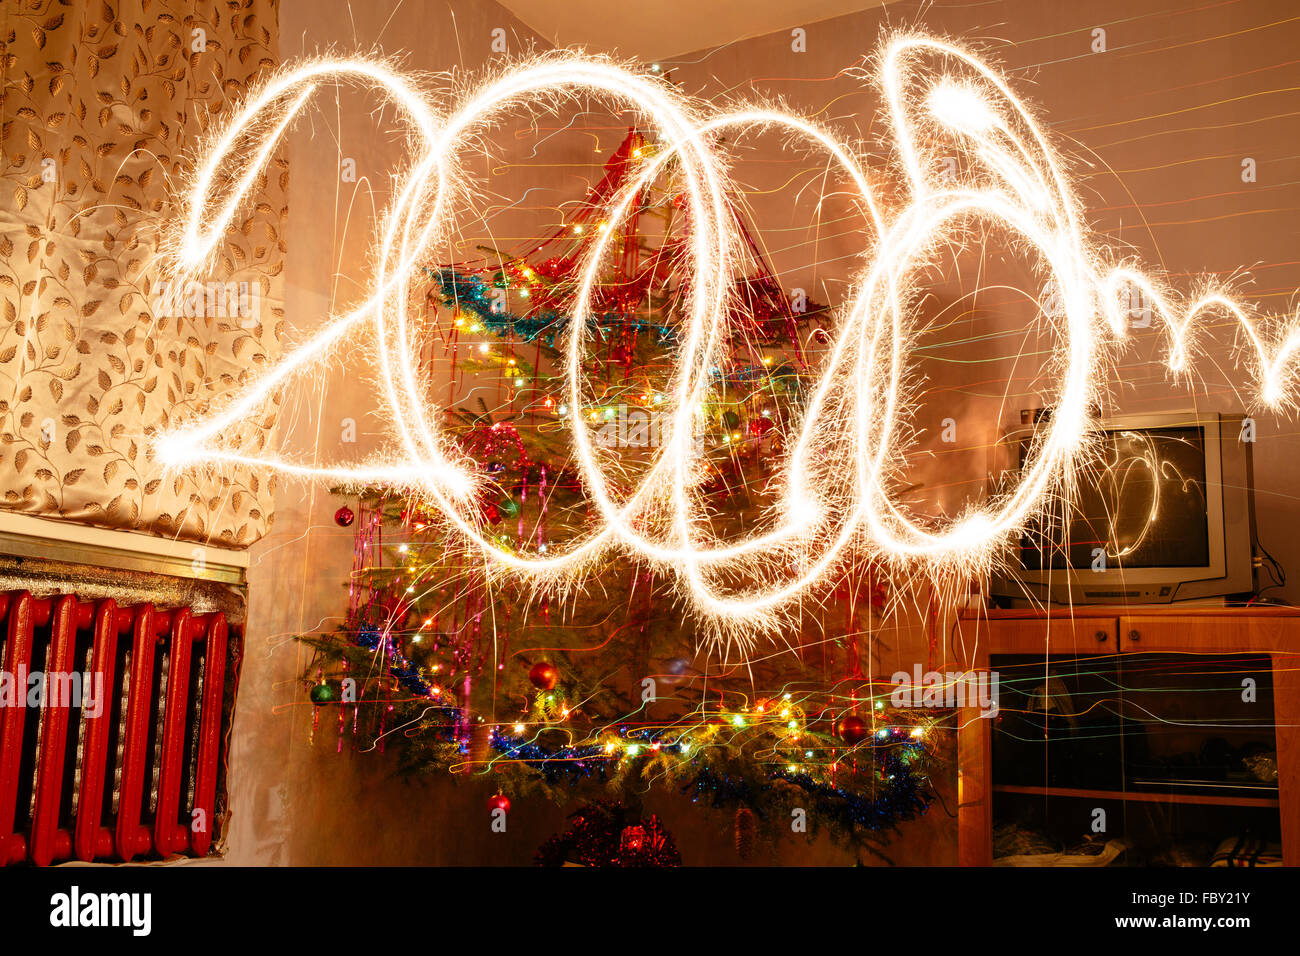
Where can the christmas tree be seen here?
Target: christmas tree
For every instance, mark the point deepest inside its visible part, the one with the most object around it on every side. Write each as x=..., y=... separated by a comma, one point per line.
x=609, y=684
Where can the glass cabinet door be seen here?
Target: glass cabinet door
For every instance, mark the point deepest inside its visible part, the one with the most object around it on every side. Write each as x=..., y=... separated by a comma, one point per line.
x=1135, y=758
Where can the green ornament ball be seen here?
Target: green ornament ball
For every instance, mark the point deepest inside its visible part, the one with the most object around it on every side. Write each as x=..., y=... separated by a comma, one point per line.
x=731, y=419
x=508, y=507
x=322, y=694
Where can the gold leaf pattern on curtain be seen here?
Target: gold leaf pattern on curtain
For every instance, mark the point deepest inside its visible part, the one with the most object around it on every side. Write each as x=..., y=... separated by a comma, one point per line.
x=103, y=103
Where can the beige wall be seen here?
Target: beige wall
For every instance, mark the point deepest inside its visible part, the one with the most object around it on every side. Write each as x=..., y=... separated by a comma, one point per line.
x=1178, y=200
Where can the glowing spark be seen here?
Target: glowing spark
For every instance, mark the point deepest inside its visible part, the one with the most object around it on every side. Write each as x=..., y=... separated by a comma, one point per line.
x=966, y=149
x=960, y=107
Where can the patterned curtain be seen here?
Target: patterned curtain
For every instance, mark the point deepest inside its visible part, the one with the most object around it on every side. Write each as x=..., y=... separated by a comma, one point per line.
x=103, y=103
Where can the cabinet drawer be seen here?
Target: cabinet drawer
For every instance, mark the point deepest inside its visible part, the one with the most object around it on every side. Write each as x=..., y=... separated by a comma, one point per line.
x=1208, y=633
x=1055, y=636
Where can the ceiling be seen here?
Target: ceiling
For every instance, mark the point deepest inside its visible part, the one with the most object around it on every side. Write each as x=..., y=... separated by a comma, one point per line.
x=665, y=28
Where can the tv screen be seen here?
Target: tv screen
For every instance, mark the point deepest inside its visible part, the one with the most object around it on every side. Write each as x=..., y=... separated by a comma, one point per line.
x=1141, y=504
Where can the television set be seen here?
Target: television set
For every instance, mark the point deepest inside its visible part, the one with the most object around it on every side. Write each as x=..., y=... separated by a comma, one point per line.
x=1163, y=512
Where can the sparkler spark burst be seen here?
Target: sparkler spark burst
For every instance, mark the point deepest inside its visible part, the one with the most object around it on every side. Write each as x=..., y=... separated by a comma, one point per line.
x=965, y=150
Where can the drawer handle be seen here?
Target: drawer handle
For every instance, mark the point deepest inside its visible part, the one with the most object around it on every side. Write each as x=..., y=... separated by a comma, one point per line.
x=1135, y=635
x=1101, y=637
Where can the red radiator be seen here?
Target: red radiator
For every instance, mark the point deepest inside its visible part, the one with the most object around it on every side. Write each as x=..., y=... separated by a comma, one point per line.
x=119, y=756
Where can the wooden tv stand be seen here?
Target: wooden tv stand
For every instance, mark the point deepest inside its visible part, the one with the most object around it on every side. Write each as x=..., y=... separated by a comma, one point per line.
x=1061, y=634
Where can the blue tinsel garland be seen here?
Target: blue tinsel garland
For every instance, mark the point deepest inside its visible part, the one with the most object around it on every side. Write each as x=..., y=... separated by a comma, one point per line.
x=475, y=295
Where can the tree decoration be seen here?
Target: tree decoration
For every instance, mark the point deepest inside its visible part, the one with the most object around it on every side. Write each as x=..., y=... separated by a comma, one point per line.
x=344, y=517
x=852, y=729
x=322, y=693
x=499, y=802
x=544, y=675
x=609, y=834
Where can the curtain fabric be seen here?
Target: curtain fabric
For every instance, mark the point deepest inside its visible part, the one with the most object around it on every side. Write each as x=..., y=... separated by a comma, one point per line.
x=104, y=102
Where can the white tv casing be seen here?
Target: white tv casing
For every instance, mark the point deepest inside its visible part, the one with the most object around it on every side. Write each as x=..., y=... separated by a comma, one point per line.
x=1230, y=517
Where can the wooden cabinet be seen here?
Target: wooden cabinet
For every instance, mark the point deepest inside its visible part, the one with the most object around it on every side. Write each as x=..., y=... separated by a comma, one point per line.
x=1187, y=661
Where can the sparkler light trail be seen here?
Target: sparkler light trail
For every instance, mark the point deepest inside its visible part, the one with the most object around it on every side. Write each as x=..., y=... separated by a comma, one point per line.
x=965, y=150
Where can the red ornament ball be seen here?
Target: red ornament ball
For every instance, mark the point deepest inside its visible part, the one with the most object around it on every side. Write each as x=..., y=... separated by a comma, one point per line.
x=499, y=802
x=851, y=729
x=344, y=516
x=544, y=675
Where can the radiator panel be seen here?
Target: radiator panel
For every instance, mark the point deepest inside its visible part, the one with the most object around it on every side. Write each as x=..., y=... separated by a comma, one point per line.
x=121, y=759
